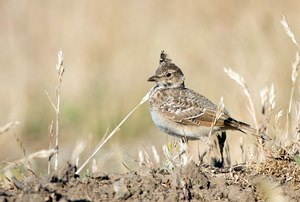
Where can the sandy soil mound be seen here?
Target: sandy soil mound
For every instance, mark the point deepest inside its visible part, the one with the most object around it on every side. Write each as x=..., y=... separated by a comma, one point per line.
x=189, y=183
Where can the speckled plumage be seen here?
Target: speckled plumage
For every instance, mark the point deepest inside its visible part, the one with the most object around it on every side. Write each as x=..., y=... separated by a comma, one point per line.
x=182, y=112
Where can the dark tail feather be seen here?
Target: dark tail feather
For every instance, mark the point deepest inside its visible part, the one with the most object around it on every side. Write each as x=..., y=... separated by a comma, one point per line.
x=246, y=128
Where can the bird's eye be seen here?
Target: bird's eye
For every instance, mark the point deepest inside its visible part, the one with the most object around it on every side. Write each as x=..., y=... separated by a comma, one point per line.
x=168, y=74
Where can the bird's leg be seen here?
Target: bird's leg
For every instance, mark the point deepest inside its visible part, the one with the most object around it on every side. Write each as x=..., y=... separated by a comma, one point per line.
x=221, y=140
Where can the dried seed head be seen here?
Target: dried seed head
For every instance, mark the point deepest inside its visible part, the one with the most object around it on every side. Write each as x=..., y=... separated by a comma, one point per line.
x=272, y=96
x=288, y=30
x=60, y=64
x=295, y=66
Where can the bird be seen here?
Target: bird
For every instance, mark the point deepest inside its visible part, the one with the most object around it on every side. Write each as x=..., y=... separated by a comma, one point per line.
x=184, y=113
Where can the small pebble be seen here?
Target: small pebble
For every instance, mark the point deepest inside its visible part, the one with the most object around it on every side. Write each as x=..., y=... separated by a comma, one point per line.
x=121, y=190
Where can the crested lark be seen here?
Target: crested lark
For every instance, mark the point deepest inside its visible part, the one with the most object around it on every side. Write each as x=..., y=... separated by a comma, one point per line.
x=182, y=112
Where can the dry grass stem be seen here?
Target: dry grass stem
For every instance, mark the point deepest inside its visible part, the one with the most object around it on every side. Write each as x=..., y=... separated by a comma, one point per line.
x=94, y=166
x=79, y=148
x=268, y=96
x=276, y=125
x=52, y=103
x=50, y=145
x=240, y=80
x=8, y=126
x=264, y=97
x=20, y=143
x=60, y=71
x=272, y=96
x=166, y=151
x=155, y=154
x=36, y=155
x=117, y=128
x=141, y=158
x=170, y=162
x=184, y=153
x=288, y=30
x=176, y=155
x=295, y=66
x=147, y=161
x=298, y=119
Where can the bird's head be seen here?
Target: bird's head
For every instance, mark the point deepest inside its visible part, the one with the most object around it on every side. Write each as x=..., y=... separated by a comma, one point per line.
x=167, y=74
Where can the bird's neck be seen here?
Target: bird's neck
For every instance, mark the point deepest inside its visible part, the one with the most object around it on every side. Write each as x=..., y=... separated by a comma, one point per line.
x=164, y=86
x=172, y=85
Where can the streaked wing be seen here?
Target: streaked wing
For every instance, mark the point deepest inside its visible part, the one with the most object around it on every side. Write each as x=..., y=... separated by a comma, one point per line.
x=190, y=108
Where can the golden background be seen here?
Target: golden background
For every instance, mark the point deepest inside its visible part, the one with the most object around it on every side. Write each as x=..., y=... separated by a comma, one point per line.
x=111, y=48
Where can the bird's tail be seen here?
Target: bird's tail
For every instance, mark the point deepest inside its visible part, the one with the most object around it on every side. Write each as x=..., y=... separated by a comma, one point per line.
x=246, y=128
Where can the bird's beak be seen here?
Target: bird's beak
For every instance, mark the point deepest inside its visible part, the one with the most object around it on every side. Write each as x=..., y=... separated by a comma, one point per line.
x=153, y=78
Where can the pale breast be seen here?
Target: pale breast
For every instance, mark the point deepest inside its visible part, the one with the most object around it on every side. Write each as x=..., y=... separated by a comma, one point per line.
x=163, y=104
x=181, y=130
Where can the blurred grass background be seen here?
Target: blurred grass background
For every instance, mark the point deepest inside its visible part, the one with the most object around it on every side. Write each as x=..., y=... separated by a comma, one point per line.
x=110, y=50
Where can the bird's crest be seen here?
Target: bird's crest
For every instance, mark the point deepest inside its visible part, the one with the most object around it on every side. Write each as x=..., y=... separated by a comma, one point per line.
x=164, y=58
x=165, y=63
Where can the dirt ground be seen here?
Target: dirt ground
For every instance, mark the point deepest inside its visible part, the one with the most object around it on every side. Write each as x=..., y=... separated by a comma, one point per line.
x=189, y=183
